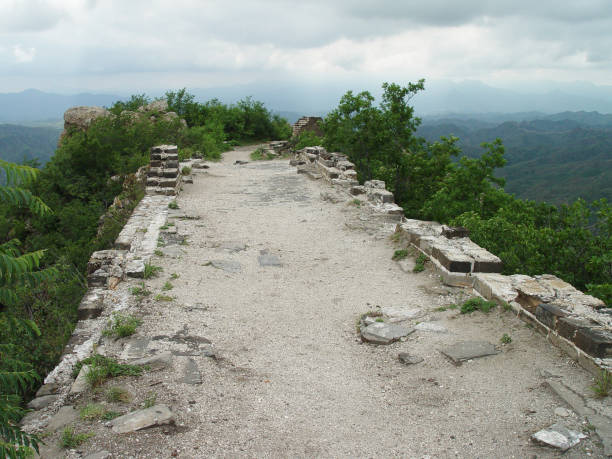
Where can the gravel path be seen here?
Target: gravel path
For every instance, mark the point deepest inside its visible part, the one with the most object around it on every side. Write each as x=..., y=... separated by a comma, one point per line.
x=291, y=378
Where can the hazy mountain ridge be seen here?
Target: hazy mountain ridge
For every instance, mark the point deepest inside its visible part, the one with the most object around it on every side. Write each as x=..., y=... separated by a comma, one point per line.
x=554, y=158
x=19, y=143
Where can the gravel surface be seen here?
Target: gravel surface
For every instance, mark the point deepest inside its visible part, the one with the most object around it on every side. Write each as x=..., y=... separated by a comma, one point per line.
x=276, y=279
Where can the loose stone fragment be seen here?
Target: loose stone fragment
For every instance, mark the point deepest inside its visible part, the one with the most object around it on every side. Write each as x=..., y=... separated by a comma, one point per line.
x=382, y=333
x=80, y=384
x=64, y=416
x=408, y=359
x=558, y=436
x=156, y=362
x=563, y=412
x=135, y=348
x=267, y=259
x=42, y=402
x=399, y=314
x=191, y=373
x=467, y=350
x=47, y=389
x=431, y=327
x=155, y=416
x=229, y=266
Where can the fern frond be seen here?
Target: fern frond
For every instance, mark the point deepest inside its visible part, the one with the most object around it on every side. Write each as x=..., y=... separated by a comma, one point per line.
x=20, y=197
x=17, y=175
x=12, y=267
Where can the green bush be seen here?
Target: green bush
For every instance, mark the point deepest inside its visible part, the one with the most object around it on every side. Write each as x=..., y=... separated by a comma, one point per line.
x=477, y=304
x=307, y=139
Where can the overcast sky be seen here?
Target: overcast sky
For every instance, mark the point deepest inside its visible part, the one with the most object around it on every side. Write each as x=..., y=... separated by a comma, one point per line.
x=127, y=46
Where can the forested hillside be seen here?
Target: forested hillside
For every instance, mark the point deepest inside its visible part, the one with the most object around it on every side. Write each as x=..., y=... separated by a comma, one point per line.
x=24, y=143
x=556, y=158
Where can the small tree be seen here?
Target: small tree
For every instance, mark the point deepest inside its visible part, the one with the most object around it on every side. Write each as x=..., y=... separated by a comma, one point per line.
x=16, y=270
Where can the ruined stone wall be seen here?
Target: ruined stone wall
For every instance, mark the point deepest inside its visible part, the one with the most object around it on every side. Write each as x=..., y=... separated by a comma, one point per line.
x=577, y=323
x=132, y=250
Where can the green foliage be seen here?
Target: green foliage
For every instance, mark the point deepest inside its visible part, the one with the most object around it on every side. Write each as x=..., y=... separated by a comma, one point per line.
x=602, y=384
x=167, y=286
x=261, y=154
x=186, y=170
x=71, y=440
x=571, y=241
x=150, y=400
x=419, y=265
x=306, y=139
x=101, y=368
x=505, y=339
x=117, y=395
x=160, y=297
x=477, y=304
x=121, y=326
x=173, y=205
x=399, y=254
x=140, y=290
x=92, y=412
x=151, y=270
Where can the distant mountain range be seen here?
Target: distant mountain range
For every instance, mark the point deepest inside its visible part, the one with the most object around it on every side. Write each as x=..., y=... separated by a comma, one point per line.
x=555, y=158
x=32, y=105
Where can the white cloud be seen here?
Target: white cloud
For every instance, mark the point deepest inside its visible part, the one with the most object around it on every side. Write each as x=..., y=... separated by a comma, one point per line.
x=23, y=55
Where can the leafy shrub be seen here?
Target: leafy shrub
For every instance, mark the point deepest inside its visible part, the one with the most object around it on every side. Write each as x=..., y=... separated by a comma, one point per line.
x=72, y=440
x=186, y=170
x=399, y=254
x=307, y=139
x=477, y=304
x=419, y=265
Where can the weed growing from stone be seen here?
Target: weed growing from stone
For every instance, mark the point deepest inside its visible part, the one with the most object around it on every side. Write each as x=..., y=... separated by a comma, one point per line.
x=447, y=307
x=150, y=400
x=71, y=440
x=362, y=317
x=151, y=270
x=167, y=286
x=505, y=339
x=121, y=326
x=603, y=384
x=506, y=306
x=117, y=395
x=419, y=264
x=395, y=237
x=173, y=205
x=261, y=154
x=174, y=276
x=160, y=242
x=164, y=227
x=379, y=319
x=92, y=412
x=399, y=254
x=102, y=368
x=355, y=202
x=477, y=304
x=186, y=170
x=140, y=290
x=110, y=415
x=160, y=297
x=159, y=253
x=184, y=242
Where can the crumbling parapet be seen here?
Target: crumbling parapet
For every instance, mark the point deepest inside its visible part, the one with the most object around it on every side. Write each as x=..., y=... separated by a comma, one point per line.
x=164, y=176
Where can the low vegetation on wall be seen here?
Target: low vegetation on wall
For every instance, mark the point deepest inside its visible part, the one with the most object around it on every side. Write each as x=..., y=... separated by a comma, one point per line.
x=434, y=181
x=89, y=188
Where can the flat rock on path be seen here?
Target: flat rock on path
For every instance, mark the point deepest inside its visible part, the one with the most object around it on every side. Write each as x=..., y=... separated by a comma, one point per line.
x=468, y=350
x=290, y=376
x=157, y=415
x=383, y=333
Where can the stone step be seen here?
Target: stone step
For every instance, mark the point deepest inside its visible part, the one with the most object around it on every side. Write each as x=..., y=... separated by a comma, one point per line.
x=163, y=172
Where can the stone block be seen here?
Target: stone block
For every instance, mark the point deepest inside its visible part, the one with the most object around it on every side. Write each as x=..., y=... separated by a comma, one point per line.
x=90, y=307
x=164, y=149
x=568, y=326
x=452, y=259
x=595, y=341
x=357, y=190
x=375, y=184
x=548, y=314
x=141, y=419
x=172, y=163
x=135, y=268
x=380, y=195
x=452, y=232
x=171, y=172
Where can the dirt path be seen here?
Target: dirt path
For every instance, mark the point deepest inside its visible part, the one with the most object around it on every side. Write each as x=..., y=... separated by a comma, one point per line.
x=290, y=377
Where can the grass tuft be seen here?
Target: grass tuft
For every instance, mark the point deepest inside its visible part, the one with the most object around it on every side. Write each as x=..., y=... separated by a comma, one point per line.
x=71, y=440
x=477, y=304
x=121, y=326
x=399, y=254
x=602, y=384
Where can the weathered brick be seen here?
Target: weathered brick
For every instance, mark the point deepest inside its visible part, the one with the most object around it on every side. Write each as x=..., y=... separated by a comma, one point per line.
x=548, y=314
x=596, y=342
x=488, y=266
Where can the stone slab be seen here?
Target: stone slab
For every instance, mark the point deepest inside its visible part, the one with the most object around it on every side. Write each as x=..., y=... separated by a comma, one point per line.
x=137, y=420
x=42, y=402
x=431, y=327
x=558, y=436
x=135, y=348
x=396, y=314
x=467, y=350
x=191, y=373
x=384, y=333
x=266, y=258
x=155, y=362
x=64, y=416
x=408, y=359
x=229, y=266
x=80, y=384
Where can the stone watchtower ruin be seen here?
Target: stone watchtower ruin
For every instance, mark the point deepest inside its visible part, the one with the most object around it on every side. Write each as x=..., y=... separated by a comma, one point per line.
x=308, y=123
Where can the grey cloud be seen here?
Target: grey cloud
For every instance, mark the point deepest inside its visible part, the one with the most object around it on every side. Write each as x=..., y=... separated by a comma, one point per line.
x=29, y=15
